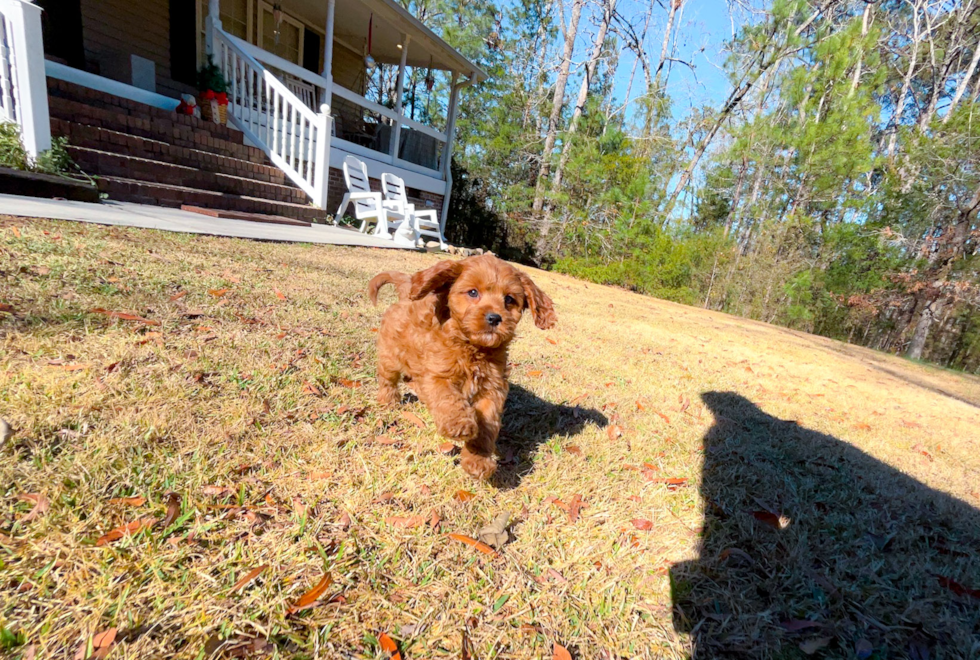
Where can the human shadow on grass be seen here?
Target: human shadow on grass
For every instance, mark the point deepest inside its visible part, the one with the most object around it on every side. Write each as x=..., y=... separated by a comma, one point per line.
x=528, y=422
x=809, y=543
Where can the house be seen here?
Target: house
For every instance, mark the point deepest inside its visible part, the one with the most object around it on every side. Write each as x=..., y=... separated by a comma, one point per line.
x=110, y=73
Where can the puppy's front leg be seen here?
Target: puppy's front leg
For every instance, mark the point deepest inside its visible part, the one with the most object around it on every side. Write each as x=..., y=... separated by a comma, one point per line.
x=454, y=417
x=478, y=453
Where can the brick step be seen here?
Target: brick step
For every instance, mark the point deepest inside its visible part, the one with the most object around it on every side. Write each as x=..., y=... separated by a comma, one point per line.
x=60, y=91
x=172, y=129
x=161, y=194
x=239, y=215
x=103, y=139
x=104, y=163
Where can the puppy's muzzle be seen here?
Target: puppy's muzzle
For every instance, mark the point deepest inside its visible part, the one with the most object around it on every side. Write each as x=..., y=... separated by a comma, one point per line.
x=493, y=319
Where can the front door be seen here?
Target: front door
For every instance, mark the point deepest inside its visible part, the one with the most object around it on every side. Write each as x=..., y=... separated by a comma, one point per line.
x=61, y=29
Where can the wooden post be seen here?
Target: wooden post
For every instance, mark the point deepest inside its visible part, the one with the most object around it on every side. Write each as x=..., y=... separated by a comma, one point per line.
x=321, y=157
x=447, y=152
x=327, y=74
x=25, y=93
x=213, y=21
x=397, y=133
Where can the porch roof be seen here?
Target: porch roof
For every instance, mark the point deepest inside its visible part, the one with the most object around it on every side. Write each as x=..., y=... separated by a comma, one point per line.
x=390, y=22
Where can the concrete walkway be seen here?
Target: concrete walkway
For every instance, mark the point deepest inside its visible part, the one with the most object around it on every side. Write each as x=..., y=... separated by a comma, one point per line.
x=127, y=214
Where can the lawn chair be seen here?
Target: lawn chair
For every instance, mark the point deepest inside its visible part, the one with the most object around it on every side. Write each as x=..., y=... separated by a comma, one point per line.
x=425, y=222
x=369, y=206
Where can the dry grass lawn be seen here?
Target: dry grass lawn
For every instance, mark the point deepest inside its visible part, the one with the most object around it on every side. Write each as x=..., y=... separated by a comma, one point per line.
x=748, y=491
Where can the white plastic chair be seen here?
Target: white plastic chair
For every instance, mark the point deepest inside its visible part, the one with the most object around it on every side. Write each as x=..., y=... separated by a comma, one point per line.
x=425, y=222
x=369, y=206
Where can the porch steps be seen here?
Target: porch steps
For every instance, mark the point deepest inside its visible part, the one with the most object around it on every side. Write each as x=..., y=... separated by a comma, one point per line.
x=147, y=155
x=252, y=217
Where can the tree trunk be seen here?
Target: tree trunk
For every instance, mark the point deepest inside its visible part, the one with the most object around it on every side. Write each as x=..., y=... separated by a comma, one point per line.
x=609, y=10
x=930, y=312
x=556, y=106
x=906, y=82
x=961, y=88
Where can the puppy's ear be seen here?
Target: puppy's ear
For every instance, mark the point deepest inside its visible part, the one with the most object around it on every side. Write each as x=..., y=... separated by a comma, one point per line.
x=427, y=281
x=538, y=302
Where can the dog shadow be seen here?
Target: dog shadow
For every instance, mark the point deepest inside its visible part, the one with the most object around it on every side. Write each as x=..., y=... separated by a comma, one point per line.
x=530, y=421
x=810, y=544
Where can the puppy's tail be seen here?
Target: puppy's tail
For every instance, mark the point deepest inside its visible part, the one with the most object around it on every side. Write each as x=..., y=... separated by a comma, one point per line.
x=401, y=281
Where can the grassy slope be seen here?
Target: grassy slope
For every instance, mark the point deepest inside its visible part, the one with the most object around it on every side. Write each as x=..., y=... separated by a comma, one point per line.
x=105, y=409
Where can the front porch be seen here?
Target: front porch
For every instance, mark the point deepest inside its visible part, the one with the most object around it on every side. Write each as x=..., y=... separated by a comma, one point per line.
x=300, y=76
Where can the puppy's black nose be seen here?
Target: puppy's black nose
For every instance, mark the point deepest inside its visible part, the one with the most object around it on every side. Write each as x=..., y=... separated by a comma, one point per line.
x=494, y=319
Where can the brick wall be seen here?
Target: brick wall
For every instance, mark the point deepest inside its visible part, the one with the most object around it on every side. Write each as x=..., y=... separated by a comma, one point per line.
x=337, y=188
x=112, y=30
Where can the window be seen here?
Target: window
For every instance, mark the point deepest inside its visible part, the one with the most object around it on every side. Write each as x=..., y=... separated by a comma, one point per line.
x=288, y=43
x=236, y=19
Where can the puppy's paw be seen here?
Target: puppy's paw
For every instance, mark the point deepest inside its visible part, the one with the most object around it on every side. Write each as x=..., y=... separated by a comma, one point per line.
x=460, y=427
x=388, y=395
x=477, y=466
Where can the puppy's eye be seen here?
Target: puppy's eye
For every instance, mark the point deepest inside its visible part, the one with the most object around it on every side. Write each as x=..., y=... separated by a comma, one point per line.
x=509, y=300
x=473, y=293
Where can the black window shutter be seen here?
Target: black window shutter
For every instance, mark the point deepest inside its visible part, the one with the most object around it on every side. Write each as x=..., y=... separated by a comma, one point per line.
x=183, y=41
x=311, y=51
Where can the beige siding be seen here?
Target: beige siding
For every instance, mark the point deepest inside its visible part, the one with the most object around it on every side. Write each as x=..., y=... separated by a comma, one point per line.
x=114, y=29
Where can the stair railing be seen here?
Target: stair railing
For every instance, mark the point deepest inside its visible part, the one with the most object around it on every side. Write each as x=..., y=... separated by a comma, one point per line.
x=295, y=138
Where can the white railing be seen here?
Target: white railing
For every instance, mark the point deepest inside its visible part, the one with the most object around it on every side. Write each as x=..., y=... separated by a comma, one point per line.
x=23, y=89
x=294, y=137
x=369, y=128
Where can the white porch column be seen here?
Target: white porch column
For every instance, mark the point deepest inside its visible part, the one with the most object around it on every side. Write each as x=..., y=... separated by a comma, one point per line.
x=212, y=21
x=321, y=157
x=447, y=152
x=397, y=133
x=328, y=56
x=24, y=96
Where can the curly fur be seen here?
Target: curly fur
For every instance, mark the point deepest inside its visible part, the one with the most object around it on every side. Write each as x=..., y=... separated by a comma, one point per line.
x=444, y=334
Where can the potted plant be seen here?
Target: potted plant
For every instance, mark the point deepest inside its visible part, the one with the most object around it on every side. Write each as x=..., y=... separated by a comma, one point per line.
x=212, y=97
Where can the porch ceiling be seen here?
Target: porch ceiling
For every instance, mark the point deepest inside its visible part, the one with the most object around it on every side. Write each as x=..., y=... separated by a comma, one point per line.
x=391, y=21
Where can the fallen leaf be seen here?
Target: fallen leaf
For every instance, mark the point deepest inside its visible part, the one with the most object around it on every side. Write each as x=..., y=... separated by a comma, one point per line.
x=574, y=449
x=5, y=307
x=811, y=646
x=560, y=653
x=796, y=625
x=248, y=577
x=482, y=547
x=101, y=644
x=310, y=388
x=552, y=341
x=642, y=524
x=173, y=510
x=345, y=382
x=413, y=418
x=575, y=505
x=280, y=295
x=129, y=501
x=217, y=293
x=15, y=231
x=434, y=520
x=534, y=373
x=448, y=448
x=922, y=450
x=123, y=316
x=177, y=296
x=495, y=533
x=735, y=552
x=41, y=505
x=125, y=530
x=957, y=588
x=614, y=431
x=385, y=440
x=672, y=483
x=665, y=418
x=310, y=598
x=344, y=521
x=389, y=646
x=220, y=491
x=579, y=399
x=405, y=521
x=386, y=496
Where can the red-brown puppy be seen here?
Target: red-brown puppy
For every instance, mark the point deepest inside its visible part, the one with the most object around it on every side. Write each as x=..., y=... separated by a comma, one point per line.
x=449, y=333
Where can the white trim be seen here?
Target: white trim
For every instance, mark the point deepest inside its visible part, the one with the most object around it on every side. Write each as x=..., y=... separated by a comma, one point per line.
x=357, y=99
x=60, y=71
x=377, y=165
x=27, y=92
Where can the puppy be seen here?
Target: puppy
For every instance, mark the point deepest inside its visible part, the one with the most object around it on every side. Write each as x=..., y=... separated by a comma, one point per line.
x=448, y=333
